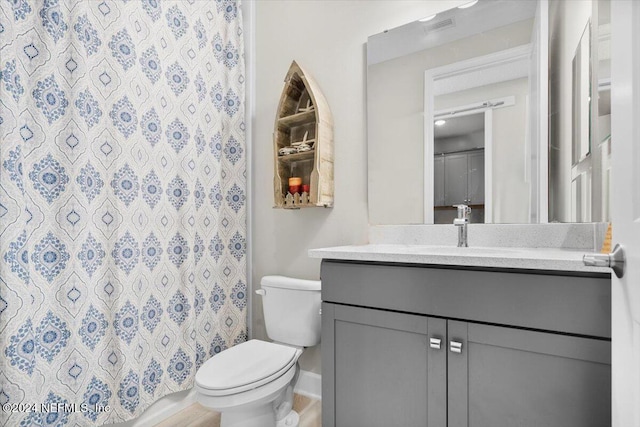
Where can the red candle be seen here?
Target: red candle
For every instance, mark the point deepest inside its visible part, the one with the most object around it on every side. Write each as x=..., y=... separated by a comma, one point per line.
x=293, y=189
x=305, y=188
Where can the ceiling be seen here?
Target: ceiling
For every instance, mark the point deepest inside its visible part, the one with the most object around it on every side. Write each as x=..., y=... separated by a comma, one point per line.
x=457, y=126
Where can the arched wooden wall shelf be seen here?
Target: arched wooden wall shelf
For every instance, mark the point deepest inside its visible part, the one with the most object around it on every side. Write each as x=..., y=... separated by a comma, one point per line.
x=303, y=143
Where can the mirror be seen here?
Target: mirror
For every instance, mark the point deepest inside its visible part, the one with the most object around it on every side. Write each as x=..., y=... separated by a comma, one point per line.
x=581, y=96
x=460, y=106
x=579, y=110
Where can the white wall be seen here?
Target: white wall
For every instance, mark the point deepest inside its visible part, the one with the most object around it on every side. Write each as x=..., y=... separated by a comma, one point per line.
x=328, y=39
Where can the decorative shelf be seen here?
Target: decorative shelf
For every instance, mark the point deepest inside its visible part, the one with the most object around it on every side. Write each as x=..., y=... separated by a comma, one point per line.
x=303, y=117
x=298, y=157
x=298, y=119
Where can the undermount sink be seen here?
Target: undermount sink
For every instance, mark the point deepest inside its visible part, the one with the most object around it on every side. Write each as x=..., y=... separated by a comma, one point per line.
x=471, y=251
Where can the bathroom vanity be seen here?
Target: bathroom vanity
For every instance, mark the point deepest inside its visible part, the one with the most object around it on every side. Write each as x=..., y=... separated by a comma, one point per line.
x=429, y=336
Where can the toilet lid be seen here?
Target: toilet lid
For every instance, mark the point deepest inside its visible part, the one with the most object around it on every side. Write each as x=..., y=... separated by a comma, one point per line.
x=246, y=366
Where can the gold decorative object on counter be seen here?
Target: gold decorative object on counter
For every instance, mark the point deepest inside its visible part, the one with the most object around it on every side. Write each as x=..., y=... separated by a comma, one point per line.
x=606, y=245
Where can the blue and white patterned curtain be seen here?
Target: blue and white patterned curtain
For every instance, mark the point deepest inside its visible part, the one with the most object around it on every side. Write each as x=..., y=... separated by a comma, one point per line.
x=122, y=203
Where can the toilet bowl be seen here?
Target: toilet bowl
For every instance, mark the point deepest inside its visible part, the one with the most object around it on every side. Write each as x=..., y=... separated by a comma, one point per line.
x=251, y=384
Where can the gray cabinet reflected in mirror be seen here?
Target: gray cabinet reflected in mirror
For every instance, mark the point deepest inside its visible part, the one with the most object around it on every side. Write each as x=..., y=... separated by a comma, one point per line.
x=477, y=106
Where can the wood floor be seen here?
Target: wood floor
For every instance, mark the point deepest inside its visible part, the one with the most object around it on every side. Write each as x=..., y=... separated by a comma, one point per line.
x=197, y=415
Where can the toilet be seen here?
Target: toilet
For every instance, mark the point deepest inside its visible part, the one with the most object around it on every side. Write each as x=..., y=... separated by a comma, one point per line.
x=251, y=384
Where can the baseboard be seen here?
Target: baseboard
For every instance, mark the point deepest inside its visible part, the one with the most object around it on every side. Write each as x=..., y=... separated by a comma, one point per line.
x=162, y=409
x=309, y=384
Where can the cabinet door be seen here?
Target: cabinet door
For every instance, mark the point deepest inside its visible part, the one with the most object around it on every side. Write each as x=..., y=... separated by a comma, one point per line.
x=475, y=179
x=505, y=377
x=455, y=179
x=379, y=369
x=438, y=181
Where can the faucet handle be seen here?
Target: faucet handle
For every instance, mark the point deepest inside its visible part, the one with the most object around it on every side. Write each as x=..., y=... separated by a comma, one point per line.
x=463, y=211
x=461, y=222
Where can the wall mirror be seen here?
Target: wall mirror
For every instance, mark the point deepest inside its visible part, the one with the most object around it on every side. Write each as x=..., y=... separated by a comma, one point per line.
x=490, y=105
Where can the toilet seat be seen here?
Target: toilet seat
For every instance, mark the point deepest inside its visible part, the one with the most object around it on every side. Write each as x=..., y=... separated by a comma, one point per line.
x=245, y=367
x=248, y=399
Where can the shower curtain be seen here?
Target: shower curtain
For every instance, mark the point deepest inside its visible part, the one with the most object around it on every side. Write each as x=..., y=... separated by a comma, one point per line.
x=122, y=203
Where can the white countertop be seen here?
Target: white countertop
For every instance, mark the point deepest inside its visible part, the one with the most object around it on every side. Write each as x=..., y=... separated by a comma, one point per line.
x=496, y=257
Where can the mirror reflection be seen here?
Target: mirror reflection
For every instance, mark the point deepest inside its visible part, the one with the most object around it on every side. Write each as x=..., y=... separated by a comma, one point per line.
x=459, y=166
x=579, y=126
x=458, y=112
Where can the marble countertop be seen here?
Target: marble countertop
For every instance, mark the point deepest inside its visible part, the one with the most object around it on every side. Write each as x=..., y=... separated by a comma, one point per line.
x=496, y=257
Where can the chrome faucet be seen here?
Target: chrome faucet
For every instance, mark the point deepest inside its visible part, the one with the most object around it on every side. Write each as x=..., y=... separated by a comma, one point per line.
x=461, y=222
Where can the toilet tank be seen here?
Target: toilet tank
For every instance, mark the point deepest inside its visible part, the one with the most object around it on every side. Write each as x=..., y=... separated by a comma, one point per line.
x=291, y=310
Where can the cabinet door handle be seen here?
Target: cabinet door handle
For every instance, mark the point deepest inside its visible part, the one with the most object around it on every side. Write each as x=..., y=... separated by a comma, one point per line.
x=455, y=347
x=435, y=343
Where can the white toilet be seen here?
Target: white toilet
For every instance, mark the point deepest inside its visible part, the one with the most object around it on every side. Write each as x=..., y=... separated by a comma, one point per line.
x=251, y=384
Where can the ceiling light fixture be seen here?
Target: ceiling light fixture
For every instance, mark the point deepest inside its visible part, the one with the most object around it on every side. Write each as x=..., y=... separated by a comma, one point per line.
x=466, y=5
x=440, y=122
x=427, y=18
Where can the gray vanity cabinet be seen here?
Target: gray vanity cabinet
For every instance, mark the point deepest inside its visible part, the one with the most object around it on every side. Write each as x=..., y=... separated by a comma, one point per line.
x=505, y=377
x=459, y=178
x=438, y=181
x=475, y=178
x=384, y=373
x=409, y=346
x=456, y=177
